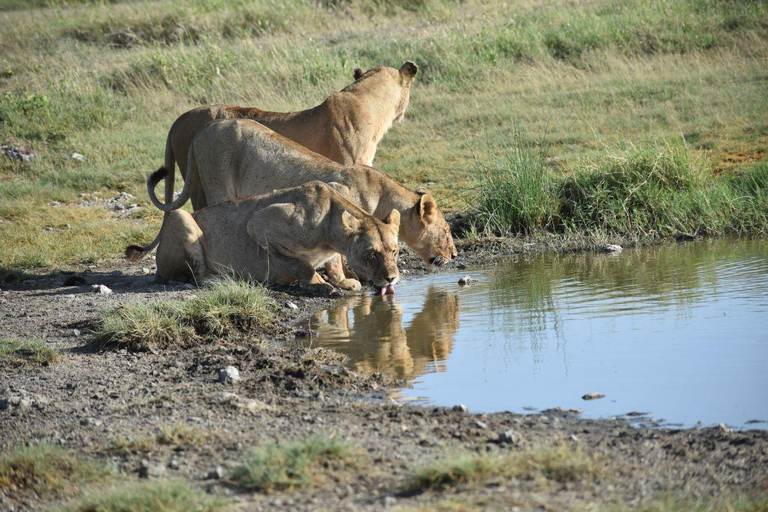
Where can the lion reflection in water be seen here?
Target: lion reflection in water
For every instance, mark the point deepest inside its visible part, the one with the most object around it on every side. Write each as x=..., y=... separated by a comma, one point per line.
x=375, y=340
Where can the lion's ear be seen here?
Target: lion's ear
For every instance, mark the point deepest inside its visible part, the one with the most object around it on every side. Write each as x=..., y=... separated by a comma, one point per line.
x=408, y=70
x=394, y=218
x=427, y=206
x=357, y=73
x=350, y=224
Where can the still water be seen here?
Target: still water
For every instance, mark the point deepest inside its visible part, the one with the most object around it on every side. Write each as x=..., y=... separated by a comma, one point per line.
x=679, y=332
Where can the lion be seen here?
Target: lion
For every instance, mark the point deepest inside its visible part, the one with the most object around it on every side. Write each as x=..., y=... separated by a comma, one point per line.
x=236, y=157
x=280, y=237
x=346, y=127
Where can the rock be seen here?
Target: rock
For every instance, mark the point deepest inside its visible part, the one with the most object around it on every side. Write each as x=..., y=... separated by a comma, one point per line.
x=390, y=501
x=101, y=289
x=76, y=156
x=459, y=408
x=509, y=437
x=75, y=332
x=722, y=427
x=20, y=153
x=74, y=281
x=612, y=248
x=145, y=271
x=593, y=396
x=481, y=425
x=174, y=463
x=229, y=374
x=91, y=422
x=215, y=474
x=465, y=280
x=575, y=410
x=149, y=469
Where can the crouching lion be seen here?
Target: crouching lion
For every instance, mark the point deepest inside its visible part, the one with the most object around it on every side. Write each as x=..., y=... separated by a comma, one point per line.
x=280, y=237
x=346, y=127
x=237, y=157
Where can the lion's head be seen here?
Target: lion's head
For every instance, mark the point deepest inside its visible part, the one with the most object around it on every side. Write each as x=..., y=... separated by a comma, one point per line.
x=428, y=233
x=398, y=81
x=373, y=252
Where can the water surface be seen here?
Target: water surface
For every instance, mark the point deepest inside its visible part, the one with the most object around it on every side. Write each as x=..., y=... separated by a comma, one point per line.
x=679, y=332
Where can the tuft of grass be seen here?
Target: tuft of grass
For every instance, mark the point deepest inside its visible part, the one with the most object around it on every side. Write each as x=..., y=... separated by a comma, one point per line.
x=22, y=353
x=160, y=496
x=223, y=306
x=301, y=464
x=175, y=436
x=560, y=463
x=46, y=471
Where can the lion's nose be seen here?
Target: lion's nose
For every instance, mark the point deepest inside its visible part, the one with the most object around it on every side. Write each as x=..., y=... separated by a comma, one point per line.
x=391, y=278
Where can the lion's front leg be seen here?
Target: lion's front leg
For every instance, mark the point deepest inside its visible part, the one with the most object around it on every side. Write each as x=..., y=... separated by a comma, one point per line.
x=335, y=269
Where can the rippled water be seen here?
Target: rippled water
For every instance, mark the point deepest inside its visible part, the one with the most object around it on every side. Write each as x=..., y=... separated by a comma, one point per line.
x=679, y=332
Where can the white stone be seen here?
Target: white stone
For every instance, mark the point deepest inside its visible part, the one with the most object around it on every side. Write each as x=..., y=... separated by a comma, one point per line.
x=229, y=374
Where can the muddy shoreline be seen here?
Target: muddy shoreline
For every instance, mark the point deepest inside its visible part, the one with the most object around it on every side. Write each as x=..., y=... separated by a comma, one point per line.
x=100, y=404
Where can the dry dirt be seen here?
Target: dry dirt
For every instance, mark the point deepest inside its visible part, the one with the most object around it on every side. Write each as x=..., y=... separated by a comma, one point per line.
x=93, y=399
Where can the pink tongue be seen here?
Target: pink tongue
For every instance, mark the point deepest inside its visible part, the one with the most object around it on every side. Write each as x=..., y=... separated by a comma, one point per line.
x=389, y=289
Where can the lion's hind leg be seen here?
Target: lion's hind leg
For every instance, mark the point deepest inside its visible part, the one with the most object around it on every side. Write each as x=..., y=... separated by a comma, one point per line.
x=180, y=256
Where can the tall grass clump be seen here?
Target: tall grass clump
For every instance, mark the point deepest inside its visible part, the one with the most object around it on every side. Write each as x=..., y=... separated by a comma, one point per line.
x=223, y=306
x=21, y=353
x=280, y=467
x=45, y=471
x=158, y=496
x=514, y=189
x=559, y=463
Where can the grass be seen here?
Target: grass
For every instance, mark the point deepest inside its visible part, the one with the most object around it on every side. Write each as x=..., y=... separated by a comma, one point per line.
x=560, y=463
x=44, y=471
x=107, y=79
x=275, y=467
x=177, y=436
x=22, y=353
x=151, y=496
x=222, y=307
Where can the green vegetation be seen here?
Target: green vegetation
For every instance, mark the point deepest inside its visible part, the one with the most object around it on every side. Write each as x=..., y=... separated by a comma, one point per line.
x=651, y=193
x=584, y=80
x=21, y=353
x=222, y=307
x=280, y=467
x=44, y=471
x=157, y=496
x=560, y=463
x=175, y=437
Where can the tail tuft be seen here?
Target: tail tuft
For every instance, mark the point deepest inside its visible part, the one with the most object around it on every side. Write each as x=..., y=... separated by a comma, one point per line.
x=135, y=252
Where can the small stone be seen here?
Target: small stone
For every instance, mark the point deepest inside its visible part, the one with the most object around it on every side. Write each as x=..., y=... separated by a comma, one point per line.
x=612, y=248
x=574, y=438
x=229, y=374
x=390, y=501
x=145, y=271
x=593, y=396
x=465, y=280
x=150, y=469
x=215, y=474
x=75, y=332
x=76, y=156
x=174, y=463
x=575, y=410
x=481, y=425
x=459, y=408
x=722, y=427
x=21, y=153
x=91, y=422
x=291, y=305
x=509, y=437
x=101, y=289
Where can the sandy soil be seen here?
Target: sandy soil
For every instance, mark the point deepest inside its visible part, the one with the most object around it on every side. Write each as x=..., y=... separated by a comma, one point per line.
x=92, y=399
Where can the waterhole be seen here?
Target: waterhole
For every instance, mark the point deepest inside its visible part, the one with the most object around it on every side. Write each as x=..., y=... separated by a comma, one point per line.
x=671, y=335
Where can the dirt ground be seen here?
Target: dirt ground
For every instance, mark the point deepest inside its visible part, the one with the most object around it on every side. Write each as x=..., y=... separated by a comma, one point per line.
x=92, y=399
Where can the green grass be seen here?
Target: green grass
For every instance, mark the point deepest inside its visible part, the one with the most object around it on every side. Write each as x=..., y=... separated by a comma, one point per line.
x=275, y=467
x=151, y=496
x=22, y=353
x=642, y=194
x=175, y=437
x=45, y=471
x=222, y=307
x=107, y=79
x=559, y=463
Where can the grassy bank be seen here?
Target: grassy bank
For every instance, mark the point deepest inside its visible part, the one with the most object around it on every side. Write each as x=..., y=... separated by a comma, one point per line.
x=586, y=80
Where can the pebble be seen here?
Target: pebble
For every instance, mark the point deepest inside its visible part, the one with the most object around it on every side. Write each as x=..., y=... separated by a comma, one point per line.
x=150, y=469
x=612, y=248
x=215, y=474
x=291, y=305
x=100, y=288
x=575, y=410
x=459, y=408
x=145, y=271
x=480, y=424
x=229, y=374
x=465, y=280
x=21, y=153
x=88, y=422
x=509, y=437
x=76, y=156
x=722, y=427
x=390, y=501
x=174, y=463
x=593, y=396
